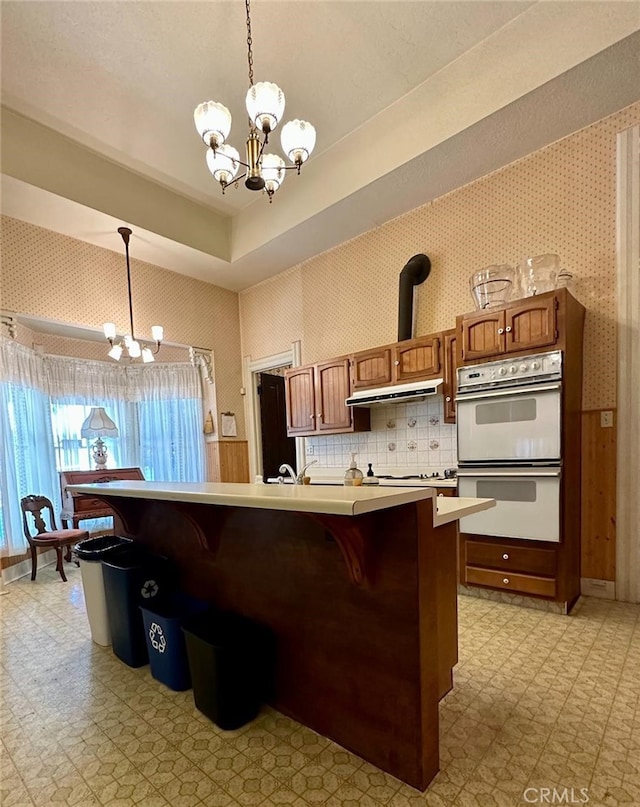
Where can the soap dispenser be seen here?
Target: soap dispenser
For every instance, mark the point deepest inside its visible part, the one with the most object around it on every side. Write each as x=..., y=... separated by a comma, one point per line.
x=353, y=475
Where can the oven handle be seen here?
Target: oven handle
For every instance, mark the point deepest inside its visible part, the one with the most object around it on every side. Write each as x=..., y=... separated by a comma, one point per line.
x=531, y=390
x=525, y=472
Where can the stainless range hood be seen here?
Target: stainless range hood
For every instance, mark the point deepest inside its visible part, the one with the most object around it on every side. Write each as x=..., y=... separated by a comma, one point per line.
x=400, y=393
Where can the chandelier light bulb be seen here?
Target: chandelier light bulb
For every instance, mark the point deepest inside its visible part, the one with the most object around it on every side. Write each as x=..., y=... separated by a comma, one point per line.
x=298, y=139
x=147, y=355
x=213, y=122
x=265, y=105
x=273, y=172
x=223, y=163
x=115, y=352
x=109, y=329
x=157, y=333
x=134, y=349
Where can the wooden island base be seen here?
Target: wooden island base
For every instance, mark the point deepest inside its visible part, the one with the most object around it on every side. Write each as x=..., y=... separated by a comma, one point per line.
x=363, y=609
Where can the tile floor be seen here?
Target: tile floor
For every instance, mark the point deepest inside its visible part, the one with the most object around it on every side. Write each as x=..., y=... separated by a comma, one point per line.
x=540, y=701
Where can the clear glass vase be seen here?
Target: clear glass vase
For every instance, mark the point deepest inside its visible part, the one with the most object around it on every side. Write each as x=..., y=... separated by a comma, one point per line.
x=492, y=286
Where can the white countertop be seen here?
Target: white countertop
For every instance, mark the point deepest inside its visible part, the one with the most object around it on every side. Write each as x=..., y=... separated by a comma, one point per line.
x=334, y=500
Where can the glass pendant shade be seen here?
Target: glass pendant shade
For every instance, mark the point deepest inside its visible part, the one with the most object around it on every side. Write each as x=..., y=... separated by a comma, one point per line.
x=157, y=333
x=115, y=352
x=298, y=140
x=273, y=172
x=223, y=163
x=147, y=355
x=109, y=329
x=265, y=105
x=213, y=122
x=134, y=349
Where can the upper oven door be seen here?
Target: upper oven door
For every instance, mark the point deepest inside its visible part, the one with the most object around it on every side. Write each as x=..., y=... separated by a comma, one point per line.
x=519, y=425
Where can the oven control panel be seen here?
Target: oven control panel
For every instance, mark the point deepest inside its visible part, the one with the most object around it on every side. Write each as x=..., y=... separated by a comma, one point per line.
x=514, y=371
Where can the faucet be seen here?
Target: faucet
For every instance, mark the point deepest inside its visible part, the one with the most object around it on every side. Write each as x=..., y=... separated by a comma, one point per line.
x=296, y=477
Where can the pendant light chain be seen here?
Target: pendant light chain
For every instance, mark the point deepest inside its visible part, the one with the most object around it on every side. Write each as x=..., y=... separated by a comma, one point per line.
x=249, y=43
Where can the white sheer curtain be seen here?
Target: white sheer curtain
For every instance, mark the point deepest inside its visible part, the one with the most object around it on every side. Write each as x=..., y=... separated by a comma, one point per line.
x=44, y=401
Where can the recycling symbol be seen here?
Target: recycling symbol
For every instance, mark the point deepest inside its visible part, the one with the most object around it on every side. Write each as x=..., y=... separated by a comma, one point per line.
x=158, y=641
x=150, y=589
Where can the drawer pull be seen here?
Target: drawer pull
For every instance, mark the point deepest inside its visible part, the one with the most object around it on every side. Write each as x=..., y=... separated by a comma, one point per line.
x=500, y=330
x=508, y=329
x=505, y=580
x=505, y=556
x=396, y=362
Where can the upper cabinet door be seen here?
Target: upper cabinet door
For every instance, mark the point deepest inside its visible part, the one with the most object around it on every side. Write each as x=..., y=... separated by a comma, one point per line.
x=371, y=368
x=483, y=335
x=531, y=324
x=332, y=388
x=300, y=400
x=416, y=359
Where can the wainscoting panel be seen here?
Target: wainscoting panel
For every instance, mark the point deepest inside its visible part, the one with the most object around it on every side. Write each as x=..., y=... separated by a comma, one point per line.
x=598, y=495
x=228, y=461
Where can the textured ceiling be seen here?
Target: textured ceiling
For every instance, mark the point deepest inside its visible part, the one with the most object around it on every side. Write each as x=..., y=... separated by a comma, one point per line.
x=98, y=102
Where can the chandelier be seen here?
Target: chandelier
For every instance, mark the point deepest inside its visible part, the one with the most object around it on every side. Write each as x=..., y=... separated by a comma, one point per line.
x=129, y=341
x=265, y=107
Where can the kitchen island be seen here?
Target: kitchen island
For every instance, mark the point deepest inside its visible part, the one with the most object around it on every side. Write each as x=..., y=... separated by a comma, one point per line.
x=358, y=586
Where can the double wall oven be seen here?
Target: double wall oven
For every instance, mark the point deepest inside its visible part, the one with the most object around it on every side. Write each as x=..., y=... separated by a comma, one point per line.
x=509, y=415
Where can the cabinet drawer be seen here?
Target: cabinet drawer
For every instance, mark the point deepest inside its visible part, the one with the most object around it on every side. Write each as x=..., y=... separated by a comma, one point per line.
x=84, y=504
x=506, y=581
x=511, y=557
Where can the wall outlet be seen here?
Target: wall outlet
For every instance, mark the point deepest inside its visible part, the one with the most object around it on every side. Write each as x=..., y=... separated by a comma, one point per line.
x=309, y=450
x=606, y=419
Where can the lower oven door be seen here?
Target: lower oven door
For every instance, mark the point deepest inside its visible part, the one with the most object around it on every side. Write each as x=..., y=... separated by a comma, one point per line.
x=527, y=502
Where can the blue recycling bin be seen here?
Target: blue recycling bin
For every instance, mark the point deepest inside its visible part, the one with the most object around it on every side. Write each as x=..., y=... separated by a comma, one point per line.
x=166, y=645
x=231, y=659
x=133, y=577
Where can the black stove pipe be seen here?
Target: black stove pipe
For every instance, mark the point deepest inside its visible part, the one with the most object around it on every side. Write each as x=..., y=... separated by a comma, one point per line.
x=415, y=272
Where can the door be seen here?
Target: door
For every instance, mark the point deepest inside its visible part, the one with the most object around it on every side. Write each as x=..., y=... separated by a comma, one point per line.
x=276, y=446
x=417, y=359
x=527, y=502
x=482, y=335
x=371, y=368
x=332, y=389
x=450, y=377
x=510, y=425
x=531, y=324
x=300, y=398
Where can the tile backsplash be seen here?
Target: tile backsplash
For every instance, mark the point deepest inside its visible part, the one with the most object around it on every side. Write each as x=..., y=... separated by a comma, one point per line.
x=412, y=436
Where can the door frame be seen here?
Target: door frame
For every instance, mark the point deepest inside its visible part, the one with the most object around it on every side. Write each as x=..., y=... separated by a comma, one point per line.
x=251, y=368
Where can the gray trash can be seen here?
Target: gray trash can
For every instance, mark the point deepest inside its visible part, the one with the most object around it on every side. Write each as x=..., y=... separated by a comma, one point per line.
x=91, y=552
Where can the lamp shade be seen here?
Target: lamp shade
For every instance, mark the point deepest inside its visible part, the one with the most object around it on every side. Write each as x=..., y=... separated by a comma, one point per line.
x=213, y=122
x=298, y=139
x=223, y=163
x=272, y=172
x=98, y=424
x=265, y=105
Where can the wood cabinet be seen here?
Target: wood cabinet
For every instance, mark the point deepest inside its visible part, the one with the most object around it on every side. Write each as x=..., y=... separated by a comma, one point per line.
x=523, y=326
x=315, y=400
x=399, y=363
x=521, y=567
x=80, y=507
x=450, y=384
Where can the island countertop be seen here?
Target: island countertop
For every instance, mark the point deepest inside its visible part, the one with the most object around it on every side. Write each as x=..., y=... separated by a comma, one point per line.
x=343, y=501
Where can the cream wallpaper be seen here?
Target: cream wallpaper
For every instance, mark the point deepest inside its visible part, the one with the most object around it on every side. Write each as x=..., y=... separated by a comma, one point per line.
x=560, y=199
x=48, y=275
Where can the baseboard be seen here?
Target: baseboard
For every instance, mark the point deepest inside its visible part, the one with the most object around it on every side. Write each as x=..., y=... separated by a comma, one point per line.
x=23, y=568
x=592, y=587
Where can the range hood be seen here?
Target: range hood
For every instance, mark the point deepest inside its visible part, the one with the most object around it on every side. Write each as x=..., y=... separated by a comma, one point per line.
x=396, y=394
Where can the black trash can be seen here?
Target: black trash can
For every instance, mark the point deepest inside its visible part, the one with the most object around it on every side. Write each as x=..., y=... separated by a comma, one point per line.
x=133, y=577
x=91, y=552
x=165, y=639
x=231, y=663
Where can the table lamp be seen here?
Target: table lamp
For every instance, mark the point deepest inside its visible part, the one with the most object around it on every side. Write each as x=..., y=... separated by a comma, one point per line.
x=99, y=424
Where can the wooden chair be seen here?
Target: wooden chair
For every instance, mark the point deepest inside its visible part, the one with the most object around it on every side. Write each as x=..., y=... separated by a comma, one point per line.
x=37, y=506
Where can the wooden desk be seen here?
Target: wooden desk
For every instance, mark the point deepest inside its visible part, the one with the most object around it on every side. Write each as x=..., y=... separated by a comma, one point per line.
x=80, y=508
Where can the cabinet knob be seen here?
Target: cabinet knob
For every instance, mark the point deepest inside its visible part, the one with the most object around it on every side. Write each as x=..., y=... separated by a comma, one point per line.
x=508, y=329
x=505, y=580
x=319, y=414
x=505, y=556
x=500, y=330
x=440, y=494
x=448, y=398
x=311, y=417
x=396, y=362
